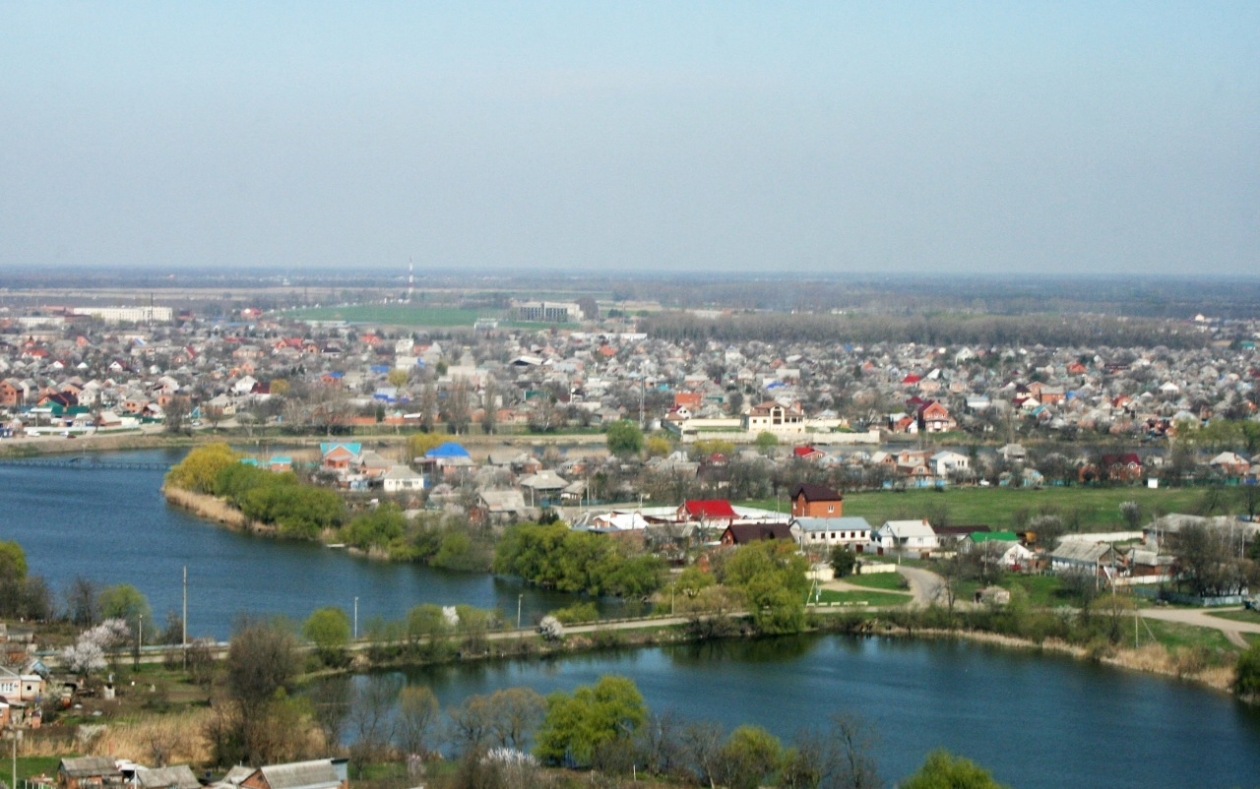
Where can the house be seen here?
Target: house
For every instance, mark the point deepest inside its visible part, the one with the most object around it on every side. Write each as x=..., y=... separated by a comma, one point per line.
x=745, y=533
x=827, y=532
x=179, y=776
x=934, y=418
x=771, y=417
x=1076, y=556
x=1125, y=467
x=1000, y=548
x=88, y=772
x=1013, y=453
x=706, y=510
x=502, y=505
x=338, y=456
x=816, y=501
x=318, y=774
x=808, y=453
x=400, y=479
x=946, y=463
x=1230, y=464
x=906, y=536
x=543, y=485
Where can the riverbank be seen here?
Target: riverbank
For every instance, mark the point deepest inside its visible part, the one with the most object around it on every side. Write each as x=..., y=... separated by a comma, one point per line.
x=1149, y=659
x=215, y=510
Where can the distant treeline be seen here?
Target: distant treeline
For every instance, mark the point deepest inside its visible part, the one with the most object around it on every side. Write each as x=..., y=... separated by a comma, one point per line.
x=928, y=329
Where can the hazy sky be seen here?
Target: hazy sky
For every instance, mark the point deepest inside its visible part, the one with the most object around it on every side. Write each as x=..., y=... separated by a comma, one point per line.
x=1003, y=137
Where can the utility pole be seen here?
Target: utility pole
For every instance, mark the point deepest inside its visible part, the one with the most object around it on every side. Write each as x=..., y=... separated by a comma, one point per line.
x=184, y=623
x=356, y=619
x=519, y=599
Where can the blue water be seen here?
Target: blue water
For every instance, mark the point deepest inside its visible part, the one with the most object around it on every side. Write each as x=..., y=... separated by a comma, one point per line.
x=114, y=526
x=1036, y=721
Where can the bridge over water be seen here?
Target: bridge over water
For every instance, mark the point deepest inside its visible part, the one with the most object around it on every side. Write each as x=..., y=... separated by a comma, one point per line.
x=84, y=463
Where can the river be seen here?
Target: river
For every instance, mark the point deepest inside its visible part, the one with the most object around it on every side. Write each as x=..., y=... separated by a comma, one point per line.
x=1035, y=720
x=114, y=526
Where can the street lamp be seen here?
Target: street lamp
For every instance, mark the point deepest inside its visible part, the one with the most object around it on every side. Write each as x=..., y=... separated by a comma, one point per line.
x=519, y=598
x=356, y=619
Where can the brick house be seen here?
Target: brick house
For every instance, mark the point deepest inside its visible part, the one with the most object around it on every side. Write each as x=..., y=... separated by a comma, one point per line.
x=934, y=418
x=816, y=501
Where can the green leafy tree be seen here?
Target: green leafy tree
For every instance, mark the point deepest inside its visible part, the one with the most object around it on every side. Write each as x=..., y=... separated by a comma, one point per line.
x=576, y=725
x=748, y=758
x=1247, y=674
x=843, y=560
x=12, y=562
x=766, y=441
x=199, y=470
x=553, y=556
x=625, y=438
x=328, y=629
x=126, y=602
x=943, y=770
x=772, y=577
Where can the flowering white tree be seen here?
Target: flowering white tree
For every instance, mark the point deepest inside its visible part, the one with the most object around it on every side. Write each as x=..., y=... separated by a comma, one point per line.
x=89, y=651
x=83, y=657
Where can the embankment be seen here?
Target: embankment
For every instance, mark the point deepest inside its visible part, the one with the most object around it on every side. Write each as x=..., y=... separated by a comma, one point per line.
x=214, y=509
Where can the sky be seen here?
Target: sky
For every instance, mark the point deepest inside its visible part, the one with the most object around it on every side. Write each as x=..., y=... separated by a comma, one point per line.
x=990, y=138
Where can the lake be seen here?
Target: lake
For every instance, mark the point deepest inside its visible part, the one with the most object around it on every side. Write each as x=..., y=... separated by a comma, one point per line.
x=114, y=526
x=1035, y=720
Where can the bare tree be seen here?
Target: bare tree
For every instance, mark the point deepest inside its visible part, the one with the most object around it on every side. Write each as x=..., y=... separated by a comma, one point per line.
x=418, y=714
x=371, y=717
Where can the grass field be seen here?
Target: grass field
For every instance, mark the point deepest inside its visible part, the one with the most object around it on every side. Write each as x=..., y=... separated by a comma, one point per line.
x=33, y=765
x=1237, y=616
x=394, y=315
x=1098, y=508
x=867, y=598
x=1175, y=635
x=891, y=582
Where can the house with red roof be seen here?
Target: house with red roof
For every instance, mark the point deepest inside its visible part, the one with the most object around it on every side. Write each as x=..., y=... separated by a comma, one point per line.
x=807, y=452
x=707, y=510
x=934, y=418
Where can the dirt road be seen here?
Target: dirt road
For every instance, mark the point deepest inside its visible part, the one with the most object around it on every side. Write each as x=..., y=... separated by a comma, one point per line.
x=926, y=585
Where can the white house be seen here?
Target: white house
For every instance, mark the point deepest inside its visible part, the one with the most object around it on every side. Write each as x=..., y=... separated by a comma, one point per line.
x=906, y=536
x=398, y=479
x=945, y=463
x=827, y=532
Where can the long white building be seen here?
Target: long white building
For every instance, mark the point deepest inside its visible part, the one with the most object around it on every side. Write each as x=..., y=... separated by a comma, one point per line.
x=128, y=314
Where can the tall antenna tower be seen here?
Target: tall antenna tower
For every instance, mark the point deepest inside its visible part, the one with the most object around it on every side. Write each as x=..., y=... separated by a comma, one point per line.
x=411, y=279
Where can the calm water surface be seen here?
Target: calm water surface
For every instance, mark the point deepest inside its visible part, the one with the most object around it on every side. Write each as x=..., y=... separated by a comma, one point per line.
x=1037, y=721
x=114, y=526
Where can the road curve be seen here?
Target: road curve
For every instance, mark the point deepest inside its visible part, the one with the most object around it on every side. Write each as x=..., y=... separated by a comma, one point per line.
x=927, y=586
x=1200, y=618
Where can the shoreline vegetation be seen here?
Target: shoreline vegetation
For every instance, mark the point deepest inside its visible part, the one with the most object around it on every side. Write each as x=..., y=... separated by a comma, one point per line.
x=759, y=584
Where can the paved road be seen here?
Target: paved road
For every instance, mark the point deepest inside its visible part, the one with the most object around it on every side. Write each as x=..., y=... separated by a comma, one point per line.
x=1200, y=618
x=926, y=585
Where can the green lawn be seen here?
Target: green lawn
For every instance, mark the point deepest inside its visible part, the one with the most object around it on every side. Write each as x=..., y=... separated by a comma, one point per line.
x=893, y=582
x=1175, y=635
x=1099, y=508
x=31, y=765
x=1237, y=616
x=867, y=598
